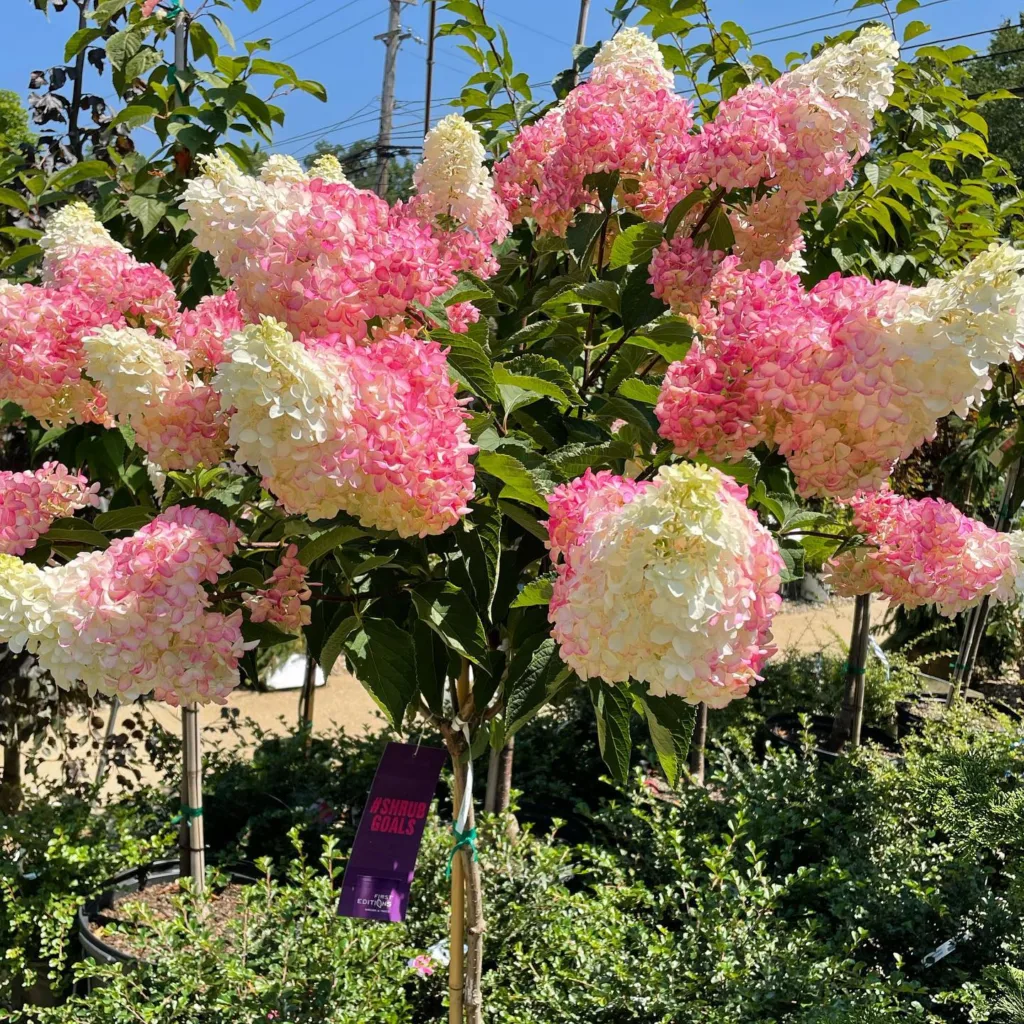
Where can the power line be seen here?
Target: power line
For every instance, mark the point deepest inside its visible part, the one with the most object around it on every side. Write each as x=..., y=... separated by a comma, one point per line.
x=281, y=17
x=327, y=39
x=989, y=56
x=317, y=21
x=817, y=17
x=829, y=28
x=956, y=39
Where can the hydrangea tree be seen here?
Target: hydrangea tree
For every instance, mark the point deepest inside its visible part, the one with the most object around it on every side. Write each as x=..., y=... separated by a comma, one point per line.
x=542, y=426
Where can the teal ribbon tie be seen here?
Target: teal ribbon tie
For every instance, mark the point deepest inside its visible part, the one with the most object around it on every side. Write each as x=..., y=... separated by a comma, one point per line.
x=465, y=839
x=188, y=814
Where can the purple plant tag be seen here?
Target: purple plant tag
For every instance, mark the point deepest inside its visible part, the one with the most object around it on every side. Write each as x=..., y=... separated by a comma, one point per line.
x=380, y=871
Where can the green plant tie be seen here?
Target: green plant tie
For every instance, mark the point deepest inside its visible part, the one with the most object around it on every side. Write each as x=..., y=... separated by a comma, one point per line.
x=188, y=814
x=462, y=839
x=174, y=8
x=856, y=671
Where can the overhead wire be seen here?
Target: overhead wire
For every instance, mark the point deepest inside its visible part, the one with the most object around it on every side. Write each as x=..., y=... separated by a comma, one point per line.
x=327, y=39
x=318, y=21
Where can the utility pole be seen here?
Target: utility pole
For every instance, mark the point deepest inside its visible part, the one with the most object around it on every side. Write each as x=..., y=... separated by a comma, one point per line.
x=392, y=40
x=581, y=28
x=432, y=30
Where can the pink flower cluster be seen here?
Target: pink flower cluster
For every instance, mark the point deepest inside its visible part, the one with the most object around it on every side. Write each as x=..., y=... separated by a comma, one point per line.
x=325, y=257
x=461, y=315
x=927, y=552
x=133, y=619
x=672, y=583
x=627, y=117
x=30, y=501
x=373, y=429
x=281, y=602
x=800, y=135
x=846, y=378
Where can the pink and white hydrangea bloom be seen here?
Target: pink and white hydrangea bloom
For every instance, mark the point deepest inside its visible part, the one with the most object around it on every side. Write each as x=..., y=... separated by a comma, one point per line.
x=146, y=381
x=282, y=601
x=846, y=378
x=30, y=501
x=374, y=430
x=927, y=551
x=133, y=619
x=672, y=583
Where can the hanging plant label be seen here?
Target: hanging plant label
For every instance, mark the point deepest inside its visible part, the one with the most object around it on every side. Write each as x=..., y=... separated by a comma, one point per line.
x=383, y=862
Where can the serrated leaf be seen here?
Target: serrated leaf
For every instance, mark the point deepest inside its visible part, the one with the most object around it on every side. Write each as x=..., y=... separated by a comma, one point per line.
x=524, y=518
x=383, y=658
x=87, y=170
x=132, y=518
x=535, y=673
x=328, y=541
x=575, y=459
x=670, y=721
x=635, y=245
x=682, y=208
x=638, y=305
x=613, y=709
x=536, y=592
x=639, y=391
x=335, y=644
x=449, y=613
x=590, y=293
x=78, y=41
x=147, y=211
x=471, y=361
x=793, y=556
x=519, y=484
x=248, y=576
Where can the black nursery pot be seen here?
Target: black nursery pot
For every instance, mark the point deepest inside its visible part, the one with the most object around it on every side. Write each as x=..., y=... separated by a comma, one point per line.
x=133, y=880
x=785, y=730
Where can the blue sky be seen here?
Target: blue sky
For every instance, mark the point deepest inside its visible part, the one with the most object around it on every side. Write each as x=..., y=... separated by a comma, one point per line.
x=332, y=41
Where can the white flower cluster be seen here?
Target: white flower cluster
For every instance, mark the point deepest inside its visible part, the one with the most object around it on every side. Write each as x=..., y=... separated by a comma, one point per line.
x=857, y=77
x=71, y=228
x=452, y=179
x=132, y=367
x=942, y=339
x=287, y=405
x=632, y=54
x=675, y=588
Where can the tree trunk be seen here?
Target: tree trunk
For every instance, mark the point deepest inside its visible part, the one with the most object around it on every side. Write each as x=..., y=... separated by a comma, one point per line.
x=10, y=784
x=307, y=699
x=846, y=726
x=697, y=744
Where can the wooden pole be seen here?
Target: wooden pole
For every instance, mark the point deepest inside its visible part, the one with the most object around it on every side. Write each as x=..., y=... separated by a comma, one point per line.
x=842, y=725
x=192, y=808
x=456, y=964
x=860, y=688
x=307, y=698
x=392, y=40
x=104, y=760
x=581, y=26
x=432, y=33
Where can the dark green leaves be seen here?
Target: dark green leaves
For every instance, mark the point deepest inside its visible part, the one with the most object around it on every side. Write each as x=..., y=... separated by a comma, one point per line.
x=670, y=721
x=537, y=592
x=384, y=661
x=535, y=674
x=335, y=643
x=635, y=245
x=328, y=541
x=520, y=485
x=450, y=614
x=638, y=305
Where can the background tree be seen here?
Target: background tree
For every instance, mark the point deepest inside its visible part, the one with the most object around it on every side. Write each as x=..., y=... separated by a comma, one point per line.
x=1006, y=71
x=359, y=160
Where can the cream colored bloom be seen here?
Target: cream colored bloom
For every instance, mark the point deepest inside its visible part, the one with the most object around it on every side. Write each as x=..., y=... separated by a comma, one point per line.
x=633, y=54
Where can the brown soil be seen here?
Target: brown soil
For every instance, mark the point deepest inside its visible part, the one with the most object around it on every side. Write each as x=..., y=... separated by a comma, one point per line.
x=125, y=928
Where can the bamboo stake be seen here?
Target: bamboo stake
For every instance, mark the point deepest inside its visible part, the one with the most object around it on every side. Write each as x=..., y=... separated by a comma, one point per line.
x=192, y=810
x=697, y=743
x=861, y=662
x=456, y=963
x=842, y=725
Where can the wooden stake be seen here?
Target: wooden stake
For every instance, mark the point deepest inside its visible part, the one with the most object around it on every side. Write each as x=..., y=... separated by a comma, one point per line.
x=192, y=809
x=456, y=965
x=698, y=743
x=857, y=724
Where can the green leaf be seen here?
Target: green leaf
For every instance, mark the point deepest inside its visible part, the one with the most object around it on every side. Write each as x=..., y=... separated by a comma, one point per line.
x=638, y=391
x=526, y=519
x=77, y=532
x=384, y=661
x=670, y=721
x=575, y=459
x=793, y=555
x=327, y=542
x=681, y=209
x=266, y=634
x=148, y=211
x=535, y=674
x=915, y=29
x=335, y=644
x=591, y=293
x=272, y=67
x=639, y=306
x=122, y=46
x=78, y=41
x=247, y=576
x=11, y=198
x=479, y=540
x=449, y=613
x=87, y=170
x=135, y=115
x=613, y=708
x=224, y=30
x=581, y=237
x=145, y=60
x=540, y=375
x=519, y=484
x=604, y=184
x=670, y=336
x=635, y=245
x=471, y=361
x=536, y=592
x=131, y=518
